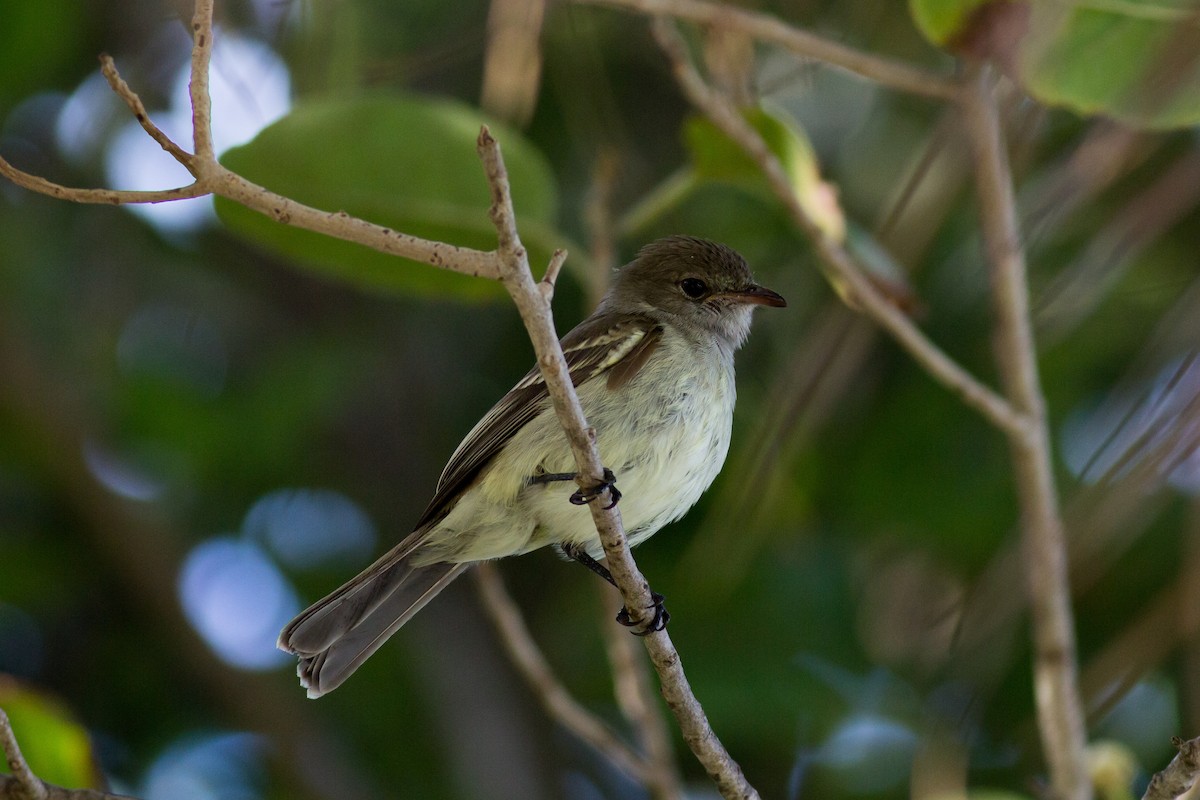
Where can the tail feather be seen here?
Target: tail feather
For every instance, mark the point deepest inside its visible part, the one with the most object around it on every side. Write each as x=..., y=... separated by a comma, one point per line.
x=337, y=634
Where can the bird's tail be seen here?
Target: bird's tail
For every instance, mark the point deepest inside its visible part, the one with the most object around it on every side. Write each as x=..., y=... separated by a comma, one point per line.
x=337, y=634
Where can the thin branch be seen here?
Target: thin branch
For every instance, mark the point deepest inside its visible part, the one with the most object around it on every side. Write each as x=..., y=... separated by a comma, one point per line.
x=1180, y=775
x=545, y=685
x=114, y=197
x=22, y=784
x=108, y=69
x=546, y=284
x=839, y=263
x=1059, y=710
x=632, y=686
x=765, y=28
x=201, y=97
x=636, y=698
x=534, y=308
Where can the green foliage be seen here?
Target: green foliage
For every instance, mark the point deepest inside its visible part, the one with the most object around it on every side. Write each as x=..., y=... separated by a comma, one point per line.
x=402, y=161
x=862, y=506
x=1133, y=61
x=56, y=747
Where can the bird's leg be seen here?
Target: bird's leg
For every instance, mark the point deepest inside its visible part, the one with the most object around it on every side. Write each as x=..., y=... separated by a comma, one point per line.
x=584, y=496
x=660, y=617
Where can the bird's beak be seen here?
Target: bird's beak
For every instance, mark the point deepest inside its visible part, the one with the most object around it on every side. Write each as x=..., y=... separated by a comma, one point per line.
x=759, y=296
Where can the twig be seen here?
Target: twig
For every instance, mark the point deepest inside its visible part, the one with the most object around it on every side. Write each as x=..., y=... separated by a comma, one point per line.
x=546, y=284
x=545, y=685
x=108, y=69
x=940, y=366
x=22, y=784
x=534, y=309
x=765, y=28
x=213, y=178
x=1178, y=776
x=631, y=679
x=636, y=698
x=201, y=97
x=1059, y=711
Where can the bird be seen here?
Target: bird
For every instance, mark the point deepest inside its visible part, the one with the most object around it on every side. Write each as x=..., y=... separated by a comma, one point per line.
x=653, y=367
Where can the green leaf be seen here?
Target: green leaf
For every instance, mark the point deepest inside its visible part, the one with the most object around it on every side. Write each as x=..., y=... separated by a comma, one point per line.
x=1135, y=61
x=942, y=21
x=715, y=157
x=56, y=747
x=406, y=162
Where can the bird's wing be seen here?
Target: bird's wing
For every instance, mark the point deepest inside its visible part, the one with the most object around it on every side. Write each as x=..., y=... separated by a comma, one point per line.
x=602, y=345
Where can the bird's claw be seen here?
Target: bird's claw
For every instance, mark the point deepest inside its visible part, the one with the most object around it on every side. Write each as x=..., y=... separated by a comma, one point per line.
x=584, y=496
x=657, y=622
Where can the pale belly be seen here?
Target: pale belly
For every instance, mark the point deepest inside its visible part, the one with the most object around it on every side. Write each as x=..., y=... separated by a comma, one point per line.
x=664, y=455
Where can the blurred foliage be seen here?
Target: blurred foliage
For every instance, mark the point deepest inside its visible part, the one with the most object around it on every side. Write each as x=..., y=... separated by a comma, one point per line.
x=412, y=168
x=1132, y=61
x=55, y=746
x=845, y=597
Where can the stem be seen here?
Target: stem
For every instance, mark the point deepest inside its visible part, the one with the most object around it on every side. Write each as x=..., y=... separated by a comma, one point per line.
x=1059, y=710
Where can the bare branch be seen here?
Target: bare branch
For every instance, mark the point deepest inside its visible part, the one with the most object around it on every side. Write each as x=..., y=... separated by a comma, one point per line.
x=545, y=685
x=114, y=197
x=546, y=284
x=202, y=45
x=535, y=313
x=838, y=263
x=639, y=705
x=765, y=28
x=1179, y=776
x=109, y=70
x=1060, y=714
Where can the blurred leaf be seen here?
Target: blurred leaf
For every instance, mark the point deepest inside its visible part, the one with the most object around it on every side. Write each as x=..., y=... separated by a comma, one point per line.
x=717, y=159
x=56, y=747
x=1136, y=62
x=941, y=21
x=38, y=43
x=405, y=162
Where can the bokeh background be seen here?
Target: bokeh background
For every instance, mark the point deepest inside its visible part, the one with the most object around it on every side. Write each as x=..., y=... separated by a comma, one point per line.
x=206, y=425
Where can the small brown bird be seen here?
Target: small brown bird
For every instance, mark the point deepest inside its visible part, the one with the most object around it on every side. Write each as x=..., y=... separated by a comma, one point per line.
x=653, y=367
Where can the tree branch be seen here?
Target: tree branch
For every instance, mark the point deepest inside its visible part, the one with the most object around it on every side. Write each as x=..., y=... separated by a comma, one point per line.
x=545, y=685
x=1180, y=775
x=534, y=308
x=765, y=28
x=839, y=264
x=636, y=699
x=1060, y=714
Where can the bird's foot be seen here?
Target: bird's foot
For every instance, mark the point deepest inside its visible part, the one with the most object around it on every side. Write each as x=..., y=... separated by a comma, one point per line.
x=658, y=620
x=609, y=482
x=584, y=496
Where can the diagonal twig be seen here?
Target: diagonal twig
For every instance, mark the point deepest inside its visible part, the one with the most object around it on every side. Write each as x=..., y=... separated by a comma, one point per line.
x=545, y=685
x=940, y=366
x=765, y=28
x=534, y=308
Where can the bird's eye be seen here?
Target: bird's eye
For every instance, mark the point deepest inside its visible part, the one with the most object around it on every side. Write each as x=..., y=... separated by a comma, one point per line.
x=694, y=287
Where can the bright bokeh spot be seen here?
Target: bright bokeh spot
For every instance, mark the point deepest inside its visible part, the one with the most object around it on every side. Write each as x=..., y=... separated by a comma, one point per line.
x=304, y=528
x=223, y=766
x=238, y=600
